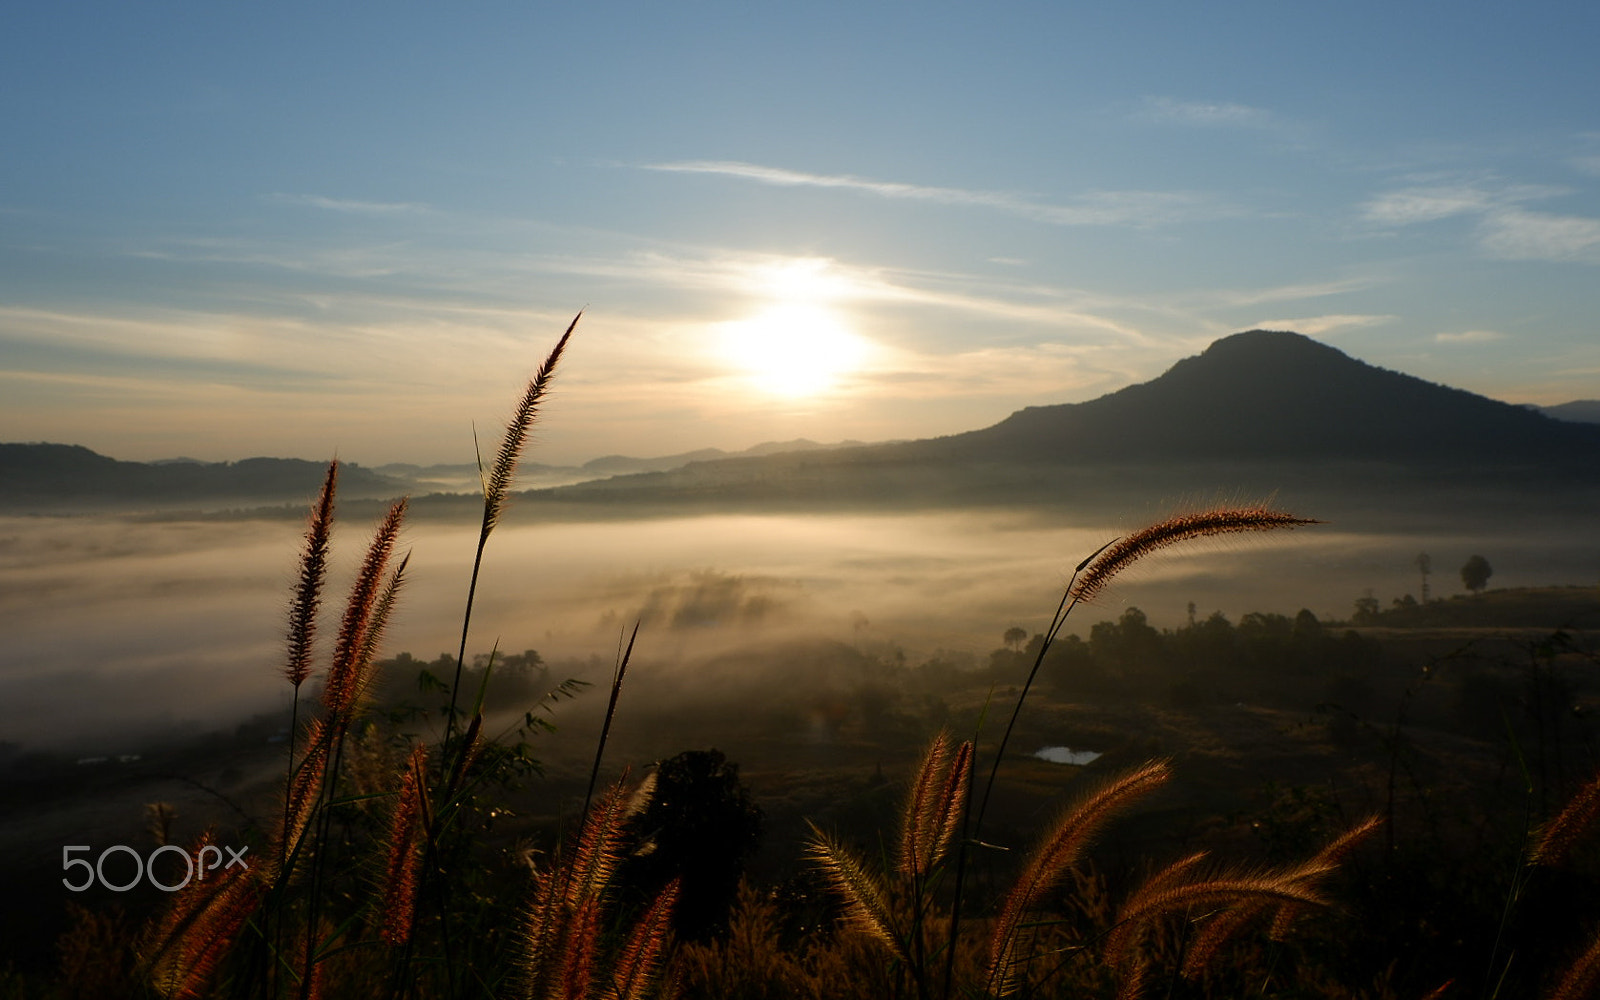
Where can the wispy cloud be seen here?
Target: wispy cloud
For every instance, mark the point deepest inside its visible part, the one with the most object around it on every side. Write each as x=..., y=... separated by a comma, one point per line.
x=1505, y=229
x=1205, y=113
x=1468, y=337
x=1292, y=293
x=1098, y=208
x=766, y=276
x=1587, y=164
x=348, y=205
x=1313, y=326
x=1514, y=234
x=343, y=261
x=1424, y=204
x=1024, y=371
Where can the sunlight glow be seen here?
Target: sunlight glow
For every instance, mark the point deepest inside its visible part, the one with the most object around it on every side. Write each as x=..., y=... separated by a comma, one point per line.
x=798, y=343
x=793, y=349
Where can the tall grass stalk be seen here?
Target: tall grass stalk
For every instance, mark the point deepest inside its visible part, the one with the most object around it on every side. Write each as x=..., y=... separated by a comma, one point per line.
x=497, y=484
x=611, y=712
x=303, y=605
x=1089, y=579
x=366, y=615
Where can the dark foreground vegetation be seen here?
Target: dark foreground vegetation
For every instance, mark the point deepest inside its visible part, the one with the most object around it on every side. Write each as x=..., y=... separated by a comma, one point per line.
x=1283, y=733
x=1280, y=807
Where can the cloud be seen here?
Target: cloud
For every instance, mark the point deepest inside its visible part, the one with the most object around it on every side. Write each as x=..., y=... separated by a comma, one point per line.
x=1311, y=326
x=1099, y=208
x=1424, y=204
x=1014, y=372
x=1206, y=114
x=1293, y=293
x=768, y=276
x=1468, y=337
x=1514, y=234
x=1587, y=164
x=1505, y=230
x=344, y=261
x=348, y=205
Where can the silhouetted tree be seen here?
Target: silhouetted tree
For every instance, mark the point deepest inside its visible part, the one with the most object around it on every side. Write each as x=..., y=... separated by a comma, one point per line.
x=700, y=825
x=1130, y=646
x=1015, y=636
x=1306, y=626
x=1367, y=608
x=1475, y=574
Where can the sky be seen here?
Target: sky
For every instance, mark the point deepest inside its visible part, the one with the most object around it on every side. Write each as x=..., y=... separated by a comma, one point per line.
x=312, y=229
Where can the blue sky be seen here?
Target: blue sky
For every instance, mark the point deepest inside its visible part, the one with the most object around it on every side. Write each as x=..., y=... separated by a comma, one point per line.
x=294, y=231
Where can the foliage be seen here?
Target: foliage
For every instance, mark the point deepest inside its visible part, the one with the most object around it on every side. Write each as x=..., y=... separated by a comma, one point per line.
x=698, y=827
x=1475, y=573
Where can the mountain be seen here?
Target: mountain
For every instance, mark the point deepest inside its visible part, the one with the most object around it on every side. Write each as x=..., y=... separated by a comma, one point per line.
x=60, y=478
x=1254, y=412
x=70, y=478
x=619, y=465
x=1273, y=395
x=1583, y=411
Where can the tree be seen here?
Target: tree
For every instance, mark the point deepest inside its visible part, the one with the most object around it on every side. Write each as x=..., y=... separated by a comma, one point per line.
x=1367, y=608
x=700, y=825
x=1015, y=637
x=1475, y=574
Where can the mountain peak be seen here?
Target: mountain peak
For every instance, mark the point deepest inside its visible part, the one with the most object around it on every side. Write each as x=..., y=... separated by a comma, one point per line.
x=1279, y=343
x=1274, y=394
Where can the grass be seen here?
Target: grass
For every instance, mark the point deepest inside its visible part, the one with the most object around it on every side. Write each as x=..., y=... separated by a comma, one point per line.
x=374, y=881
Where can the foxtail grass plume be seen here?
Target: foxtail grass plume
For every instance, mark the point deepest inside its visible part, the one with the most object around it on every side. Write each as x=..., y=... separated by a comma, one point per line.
x=495, y=487
x=865, y=897
x=199, y=928
x=637, y=964
x=1050, y=861
x=562, y=925
x=1557, y=837
x=382, y=608
x=1166, y=894
x=305, y=789
x=307, y=595
x=404, y=851
x=1582, y=977
x=1126, y=551
x=498, y=482
x=344, y=680
x=933, y=811
x=1225, y=926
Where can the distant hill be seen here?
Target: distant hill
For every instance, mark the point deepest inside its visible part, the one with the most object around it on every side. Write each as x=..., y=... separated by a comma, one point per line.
x=1257, y=411
x=70, y=478
x=1582, y=411
x=61, y=478
x=1275, y=395
x=617, y=465
x=1261, y=409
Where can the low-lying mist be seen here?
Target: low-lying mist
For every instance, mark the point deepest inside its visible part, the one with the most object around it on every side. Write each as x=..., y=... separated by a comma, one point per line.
x=121, y=631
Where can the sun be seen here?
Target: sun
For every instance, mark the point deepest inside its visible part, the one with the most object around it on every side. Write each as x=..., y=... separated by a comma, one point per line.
x=793, y=349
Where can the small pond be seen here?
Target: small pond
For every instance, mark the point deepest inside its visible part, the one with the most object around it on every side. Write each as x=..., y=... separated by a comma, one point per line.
x=1066, y=755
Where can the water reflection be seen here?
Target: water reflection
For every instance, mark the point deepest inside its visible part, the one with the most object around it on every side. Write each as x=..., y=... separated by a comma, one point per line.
x=1067, y=755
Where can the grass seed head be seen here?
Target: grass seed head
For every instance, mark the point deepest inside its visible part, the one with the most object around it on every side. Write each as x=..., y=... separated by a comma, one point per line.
x=1124, y=552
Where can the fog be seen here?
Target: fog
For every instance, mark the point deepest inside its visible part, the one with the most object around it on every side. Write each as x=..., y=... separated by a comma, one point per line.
x=120, y=630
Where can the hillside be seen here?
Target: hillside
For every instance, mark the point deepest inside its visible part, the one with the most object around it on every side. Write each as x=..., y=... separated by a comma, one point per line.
x=1274, y=395
x=71, y=478
x=1256, y=412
